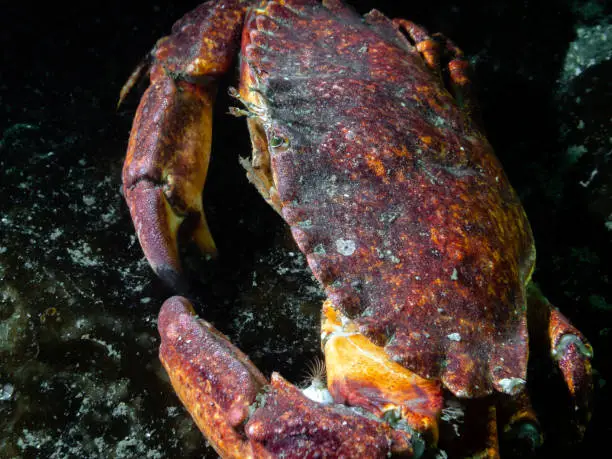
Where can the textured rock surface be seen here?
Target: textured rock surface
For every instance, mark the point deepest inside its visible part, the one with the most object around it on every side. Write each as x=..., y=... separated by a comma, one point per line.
x=79, y=374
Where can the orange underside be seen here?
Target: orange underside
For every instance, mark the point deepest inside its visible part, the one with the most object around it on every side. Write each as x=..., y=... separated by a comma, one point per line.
x=359, y=373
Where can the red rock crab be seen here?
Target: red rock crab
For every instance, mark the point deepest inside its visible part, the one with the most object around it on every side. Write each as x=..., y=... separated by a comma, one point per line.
x=366, y=141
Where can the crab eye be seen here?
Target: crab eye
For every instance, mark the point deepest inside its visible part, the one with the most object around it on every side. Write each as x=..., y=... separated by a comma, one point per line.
x=279, y=142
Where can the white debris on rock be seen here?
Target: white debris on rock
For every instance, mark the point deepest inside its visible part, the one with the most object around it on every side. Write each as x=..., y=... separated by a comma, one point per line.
x=592, y=46
x=83, y=255
x=6, y=392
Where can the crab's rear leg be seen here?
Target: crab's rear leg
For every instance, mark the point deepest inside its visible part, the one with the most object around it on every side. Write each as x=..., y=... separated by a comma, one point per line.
x=568, y=348
x=169, y=148
x=519, y=427
x=439, y=51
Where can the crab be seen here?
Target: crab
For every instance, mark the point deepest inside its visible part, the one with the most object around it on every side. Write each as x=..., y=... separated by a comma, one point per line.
x=366, y=140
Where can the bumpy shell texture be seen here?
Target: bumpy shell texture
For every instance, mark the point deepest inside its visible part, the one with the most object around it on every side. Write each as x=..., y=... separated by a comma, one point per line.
x=394, y=195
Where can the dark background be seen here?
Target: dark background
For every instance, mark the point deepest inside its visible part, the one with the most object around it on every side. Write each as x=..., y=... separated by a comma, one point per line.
x=79, y=375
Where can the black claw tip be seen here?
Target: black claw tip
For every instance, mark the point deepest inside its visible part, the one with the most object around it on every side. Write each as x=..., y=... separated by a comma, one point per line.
x=172, y=278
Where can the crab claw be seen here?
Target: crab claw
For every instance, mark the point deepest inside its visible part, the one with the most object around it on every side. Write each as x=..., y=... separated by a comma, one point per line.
x=165, y=170
x=242, y=415
x=214, y=380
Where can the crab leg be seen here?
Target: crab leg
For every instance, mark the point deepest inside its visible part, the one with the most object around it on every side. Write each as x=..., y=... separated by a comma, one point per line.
x=169, y=148
x=492, y=449
x=432, y=49
x=519, y=424
x=569, y=349
x=214, y=380
x=244, y=416
x=424, y=44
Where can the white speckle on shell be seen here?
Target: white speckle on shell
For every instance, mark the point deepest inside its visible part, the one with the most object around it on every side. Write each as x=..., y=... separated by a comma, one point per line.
x=345, y=247
x=512, y=386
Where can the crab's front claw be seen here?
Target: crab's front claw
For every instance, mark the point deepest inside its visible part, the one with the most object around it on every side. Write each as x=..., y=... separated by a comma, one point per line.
x=165, y=169
x=214, y=380
x=243, y=415
x=288, y=424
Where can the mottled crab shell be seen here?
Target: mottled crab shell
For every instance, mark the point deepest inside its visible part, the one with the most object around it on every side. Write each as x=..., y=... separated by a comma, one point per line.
x=394, y=195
